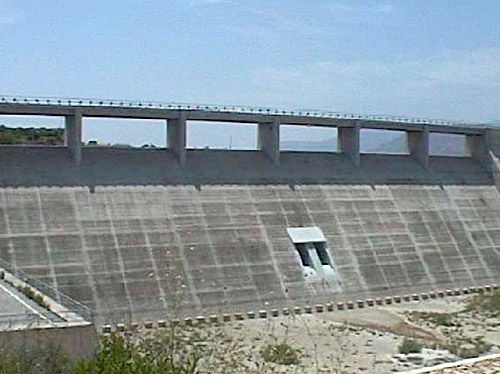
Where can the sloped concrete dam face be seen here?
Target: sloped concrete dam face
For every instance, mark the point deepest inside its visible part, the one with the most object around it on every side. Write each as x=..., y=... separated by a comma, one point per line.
x=135, y=252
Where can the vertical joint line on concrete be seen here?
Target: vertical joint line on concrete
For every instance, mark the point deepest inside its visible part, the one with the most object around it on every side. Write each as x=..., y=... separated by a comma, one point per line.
x=48, y=247
x=11, y=249
x=85, y=250
x=413, y=239
x=169, y=213
x=121, y=262
x=463, y=220
x=154, y=265
x=269, y=244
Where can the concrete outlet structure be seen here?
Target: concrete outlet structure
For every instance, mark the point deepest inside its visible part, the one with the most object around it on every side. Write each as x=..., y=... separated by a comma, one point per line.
x=145, y=234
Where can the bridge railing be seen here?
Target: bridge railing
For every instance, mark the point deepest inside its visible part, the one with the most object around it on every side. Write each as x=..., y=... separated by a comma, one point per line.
x=76, y=102
x=67, y=302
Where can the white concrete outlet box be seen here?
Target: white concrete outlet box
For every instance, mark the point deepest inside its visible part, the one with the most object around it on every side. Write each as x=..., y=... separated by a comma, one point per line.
x=300, y=235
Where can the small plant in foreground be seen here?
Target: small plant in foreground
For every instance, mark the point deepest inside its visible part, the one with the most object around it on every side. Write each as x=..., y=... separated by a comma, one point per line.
x=410, y=346
x=440, y=319
x=280, y=353
x=174, y=350
x=468, y=348
x=44, y=359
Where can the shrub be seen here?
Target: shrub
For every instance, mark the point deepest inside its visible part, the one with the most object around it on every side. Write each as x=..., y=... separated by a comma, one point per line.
x=174, y=350
x=45, y=359
x=410, y=346
x=468, y=348
x=18, y=135
x=486, y=303
x=280, y=353
x=159, y=354
x=7, y=138
x=442, y=319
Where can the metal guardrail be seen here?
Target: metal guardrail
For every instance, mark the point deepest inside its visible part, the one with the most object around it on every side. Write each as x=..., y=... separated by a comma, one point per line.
x=58, y=101
x=70, y=304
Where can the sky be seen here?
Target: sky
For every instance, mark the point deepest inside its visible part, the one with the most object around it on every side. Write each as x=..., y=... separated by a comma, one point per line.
x=416, y=58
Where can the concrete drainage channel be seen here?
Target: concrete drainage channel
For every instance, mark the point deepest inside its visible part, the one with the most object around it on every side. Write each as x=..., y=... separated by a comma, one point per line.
x=308, y=309
x=467, y=365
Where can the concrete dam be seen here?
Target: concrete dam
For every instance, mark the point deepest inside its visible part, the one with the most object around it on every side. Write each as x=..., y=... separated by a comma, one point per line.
x=140, y=234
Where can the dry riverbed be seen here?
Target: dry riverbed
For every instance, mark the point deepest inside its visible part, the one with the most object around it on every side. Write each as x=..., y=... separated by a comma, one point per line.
x=375, y=340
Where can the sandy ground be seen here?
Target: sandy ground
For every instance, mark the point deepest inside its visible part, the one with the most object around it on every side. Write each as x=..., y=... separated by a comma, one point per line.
x=367, y=340
x=363, y=340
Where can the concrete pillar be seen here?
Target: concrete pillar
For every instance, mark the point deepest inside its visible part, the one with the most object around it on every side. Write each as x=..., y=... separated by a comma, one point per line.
x=417, y=145
x=476, y=147
x=268, y=140
x=492, y=139
x=482, y=146
x=348, y=143
x=73, y=136
x=176, y=138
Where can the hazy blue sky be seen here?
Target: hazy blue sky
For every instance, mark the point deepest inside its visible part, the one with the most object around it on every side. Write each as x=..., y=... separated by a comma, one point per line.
x=428, y=58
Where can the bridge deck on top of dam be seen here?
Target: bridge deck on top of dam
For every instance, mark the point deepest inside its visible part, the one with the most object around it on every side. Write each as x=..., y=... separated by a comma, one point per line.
x=480, y=138
x=222, y=113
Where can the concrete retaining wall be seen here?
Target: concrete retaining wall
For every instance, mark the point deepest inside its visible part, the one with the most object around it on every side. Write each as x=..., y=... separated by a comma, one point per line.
x=52, y=166
x=77, y=341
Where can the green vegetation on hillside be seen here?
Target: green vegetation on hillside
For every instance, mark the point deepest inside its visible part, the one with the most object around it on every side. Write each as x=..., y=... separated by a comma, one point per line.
x=40, y=136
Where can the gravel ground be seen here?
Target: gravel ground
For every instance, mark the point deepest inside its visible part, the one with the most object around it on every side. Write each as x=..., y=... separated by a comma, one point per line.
x=362, y=340
x=367, y=340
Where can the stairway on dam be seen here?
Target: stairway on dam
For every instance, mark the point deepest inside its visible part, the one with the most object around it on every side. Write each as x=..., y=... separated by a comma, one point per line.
x=136, y=237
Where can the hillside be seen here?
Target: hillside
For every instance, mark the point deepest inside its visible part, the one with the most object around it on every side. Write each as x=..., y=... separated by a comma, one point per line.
x=31, y=135
x=443, y=144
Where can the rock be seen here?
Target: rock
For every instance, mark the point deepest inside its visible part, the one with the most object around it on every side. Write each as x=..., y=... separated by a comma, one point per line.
x=415, y=358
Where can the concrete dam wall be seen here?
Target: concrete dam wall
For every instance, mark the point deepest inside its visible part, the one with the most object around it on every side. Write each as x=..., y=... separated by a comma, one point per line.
x=136, y=236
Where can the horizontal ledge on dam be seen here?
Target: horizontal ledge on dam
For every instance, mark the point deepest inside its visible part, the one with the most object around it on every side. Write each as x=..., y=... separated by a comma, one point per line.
x=51, y=166
x=341, y=306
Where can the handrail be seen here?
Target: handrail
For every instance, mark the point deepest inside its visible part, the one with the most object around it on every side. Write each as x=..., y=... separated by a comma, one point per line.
x=315, y=113
x=70, y=304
